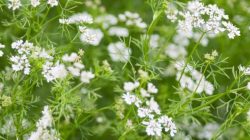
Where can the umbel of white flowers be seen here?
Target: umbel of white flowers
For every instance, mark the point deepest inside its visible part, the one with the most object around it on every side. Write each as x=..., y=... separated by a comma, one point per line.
x=207, y=18
x=45, y=130
x=16, y=4
x=148, y=109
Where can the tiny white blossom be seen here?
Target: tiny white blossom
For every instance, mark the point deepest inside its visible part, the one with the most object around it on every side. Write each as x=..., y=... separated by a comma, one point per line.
x=175, y=52
x=78, y=18
x=144, y=93
x=153, y=128
x=154, y=40
x=35, y=3
x=144, y=112
x=92, y=36
x=106, y=20
x=14, y=4
x=118, y=52
x=232, y=30
x=130, y=86
x=1, y=47
x=86, y=76
x=118, y=31
x=132, y=19
x=168, y=124
x=128, y=98
x=70, y=58
x=248, y=85
x=153, y=105
x=50, y=72
x=44, y=129
x=53, y=3
x=151, y=88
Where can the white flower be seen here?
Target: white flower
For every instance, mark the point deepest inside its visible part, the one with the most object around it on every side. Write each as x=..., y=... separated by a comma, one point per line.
x=167, y=124
x=41, y=53
x=20, y=63
x=208, y=88
x=44, y=129
x=171, y=12
x=206, y=18
x=144, y=112
x=92, y=36
x=153, y=106
x=35, y=3
x=153, y=128
x=46, y=120
x=14, y=4
x=78, y=18
x=208, y=131
x=232, y=30
x=1, y=47
x=246, y=71
x=128, y=98
x=130, y=86
x=51, y=72
x=175, y=52
x=78, y=65
x=248, y=85
x=118, y=31
x=59, y=71
x=151, y=88
x=106, y=20
x=132, y=19
x=74, y=71
x=86, y=76
x=144, y=93
x=53, y=3
x=118, y=52
x=22, y=47
x=70, y=58
x=154, y=40
x=1, y=53
x=181, y=40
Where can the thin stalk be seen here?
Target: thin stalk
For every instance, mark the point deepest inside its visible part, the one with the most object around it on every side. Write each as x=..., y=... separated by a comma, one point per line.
x=190, y=55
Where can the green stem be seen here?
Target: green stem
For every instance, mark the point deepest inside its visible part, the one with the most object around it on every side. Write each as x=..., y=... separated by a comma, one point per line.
x=151, y=27
x=190, y=55
x=201, y=78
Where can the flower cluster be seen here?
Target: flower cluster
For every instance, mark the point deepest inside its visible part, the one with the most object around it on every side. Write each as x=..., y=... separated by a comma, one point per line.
x=88, y=35
x=148, y=109
x=208, y=18
x=44, y=129
x=16, y=4
x=119, y=52
x=132, y=19
x=21, y=62
x=79, y=18
x=52, y=72
x=172, y=13
x=118, y=31
x=106, y=20
x=25, y=51
x=193, y=80
x=244, y=70
x=71, y=65
x=91, y=36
